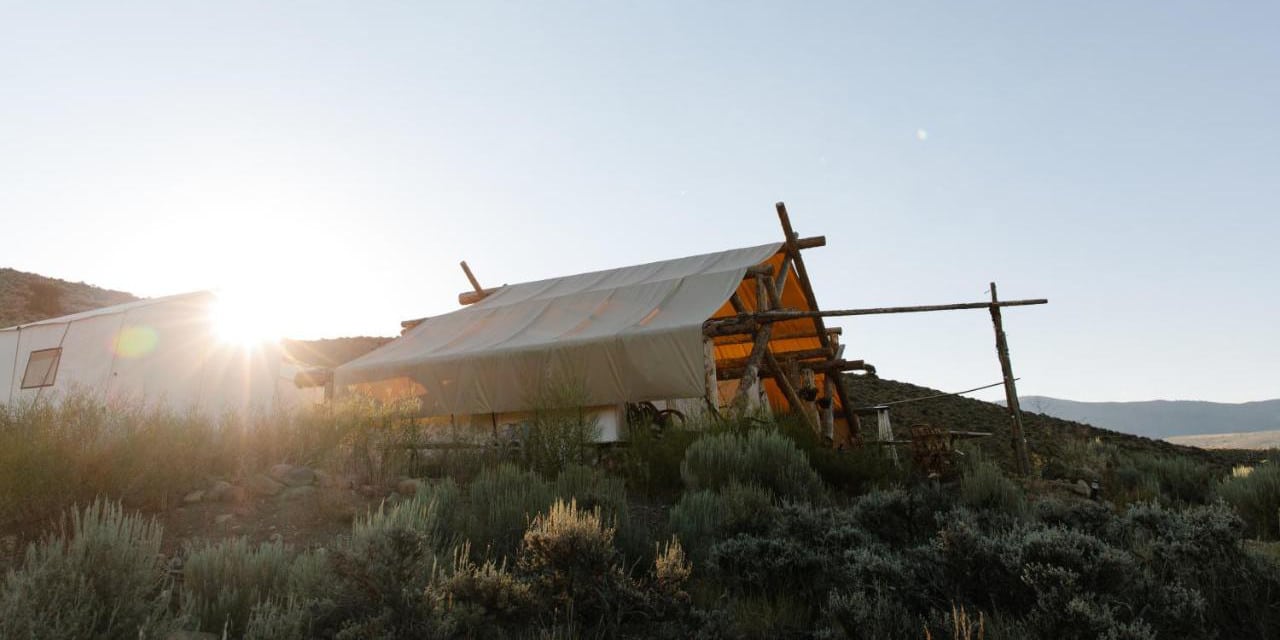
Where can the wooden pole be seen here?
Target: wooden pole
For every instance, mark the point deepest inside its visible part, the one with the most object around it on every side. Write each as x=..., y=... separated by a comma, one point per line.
x=712, y=383
x=751, y=373
x=792, y=314
x=1021, y=456
x=806, y=287
x=475, y=284
x=746, y=338
x=826, y=406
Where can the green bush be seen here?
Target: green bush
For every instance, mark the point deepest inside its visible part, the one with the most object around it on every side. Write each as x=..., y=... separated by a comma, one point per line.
x=101, y=576
x=763, y=458
x=481, y=600
x=76, y=448
x=702, y=517
x=503, y=501
x=560, y=433
x=432, y=511
x=222, y=582
x=985, y=486
x=1256, y=496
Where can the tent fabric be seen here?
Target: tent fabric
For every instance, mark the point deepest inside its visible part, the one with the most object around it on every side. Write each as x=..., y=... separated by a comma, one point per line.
x=621, y=335
x=150, y=351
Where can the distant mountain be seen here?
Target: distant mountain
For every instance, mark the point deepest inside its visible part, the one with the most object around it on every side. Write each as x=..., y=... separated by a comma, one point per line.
x=1163, y=418
x=28, y=297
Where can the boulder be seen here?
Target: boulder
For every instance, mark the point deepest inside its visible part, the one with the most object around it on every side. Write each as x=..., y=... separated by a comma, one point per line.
x=298, y=477
x=293, y=493
x=263, y=486
x=279, y=471
x=219, y=492
x=193, y=497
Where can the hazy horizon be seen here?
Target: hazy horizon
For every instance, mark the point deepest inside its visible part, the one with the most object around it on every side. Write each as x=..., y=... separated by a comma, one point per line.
x=337, y=161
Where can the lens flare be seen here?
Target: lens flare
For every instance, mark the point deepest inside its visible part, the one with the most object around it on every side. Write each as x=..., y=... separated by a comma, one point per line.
x=135, y=341
x=244, y=320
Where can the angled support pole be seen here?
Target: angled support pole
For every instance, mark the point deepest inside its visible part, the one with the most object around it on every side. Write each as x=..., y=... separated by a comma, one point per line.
x=1021, y=456
x=793, y=246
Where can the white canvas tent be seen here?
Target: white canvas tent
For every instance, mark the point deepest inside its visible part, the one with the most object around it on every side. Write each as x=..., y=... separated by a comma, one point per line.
x=621, y=335
x=157, y=350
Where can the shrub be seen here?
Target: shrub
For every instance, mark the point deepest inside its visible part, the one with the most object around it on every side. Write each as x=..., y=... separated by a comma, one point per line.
x=560, y=432
x=899, y=516
x=101, y=576
x=593, y=489
x=481, y=600
x=1081, y=515
x=671, y=568
x=872, y=615
x=1181, y=479
x=431, y=511
x=1256, y=496
x=381, y=582
x=502, y=502
x=984, y=486
x=279, y=620
x=222, y=582
x=77, y=447
x=764, y=458
x=569, y=556
x=702, y=517
x=850, y=471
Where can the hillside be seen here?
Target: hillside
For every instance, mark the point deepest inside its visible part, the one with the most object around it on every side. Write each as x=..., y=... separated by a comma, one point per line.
x=1249, y=440
x=1164, y=418
x=1046, y=434
x=28, y=297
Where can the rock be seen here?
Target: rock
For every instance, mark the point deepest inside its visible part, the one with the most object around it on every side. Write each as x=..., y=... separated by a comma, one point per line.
x=298, y=477
x=193, y=497
x=293, y=493
x=408, y=487
x=219, y=492
x=1081, y=487
x=263, y=486
x=279, y=471
x=223, y=519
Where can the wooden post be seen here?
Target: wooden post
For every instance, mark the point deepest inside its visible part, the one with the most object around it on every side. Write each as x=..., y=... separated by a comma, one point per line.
x=709, y=366
x=1021, y=456
x=884, y=431
x=806, y=287
x=751, y=374
x=475, y=284
x=827, y=405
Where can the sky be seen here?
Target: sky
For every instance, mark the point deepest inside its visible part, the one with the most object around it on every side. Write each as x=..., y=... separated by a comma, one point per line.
x=332, y=163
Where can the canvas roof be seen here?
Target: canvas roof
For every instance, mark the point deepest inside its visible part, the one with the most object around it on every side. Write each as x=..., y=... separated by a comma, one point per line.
x=116, y=309
x=627, y=334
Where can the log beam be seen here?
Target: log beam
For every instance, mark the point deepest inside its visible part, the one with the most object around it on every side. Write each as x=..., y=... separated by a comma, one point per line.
x=806, y=287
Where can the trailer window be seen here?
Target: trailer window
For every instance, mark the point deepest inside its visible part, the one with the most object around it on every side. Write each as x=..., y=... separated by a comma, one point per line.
x=42, y=368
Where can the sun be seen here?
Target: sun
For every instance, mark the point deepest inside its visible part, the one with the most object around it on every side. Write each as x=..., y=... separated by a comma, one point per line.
x=244, y=320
